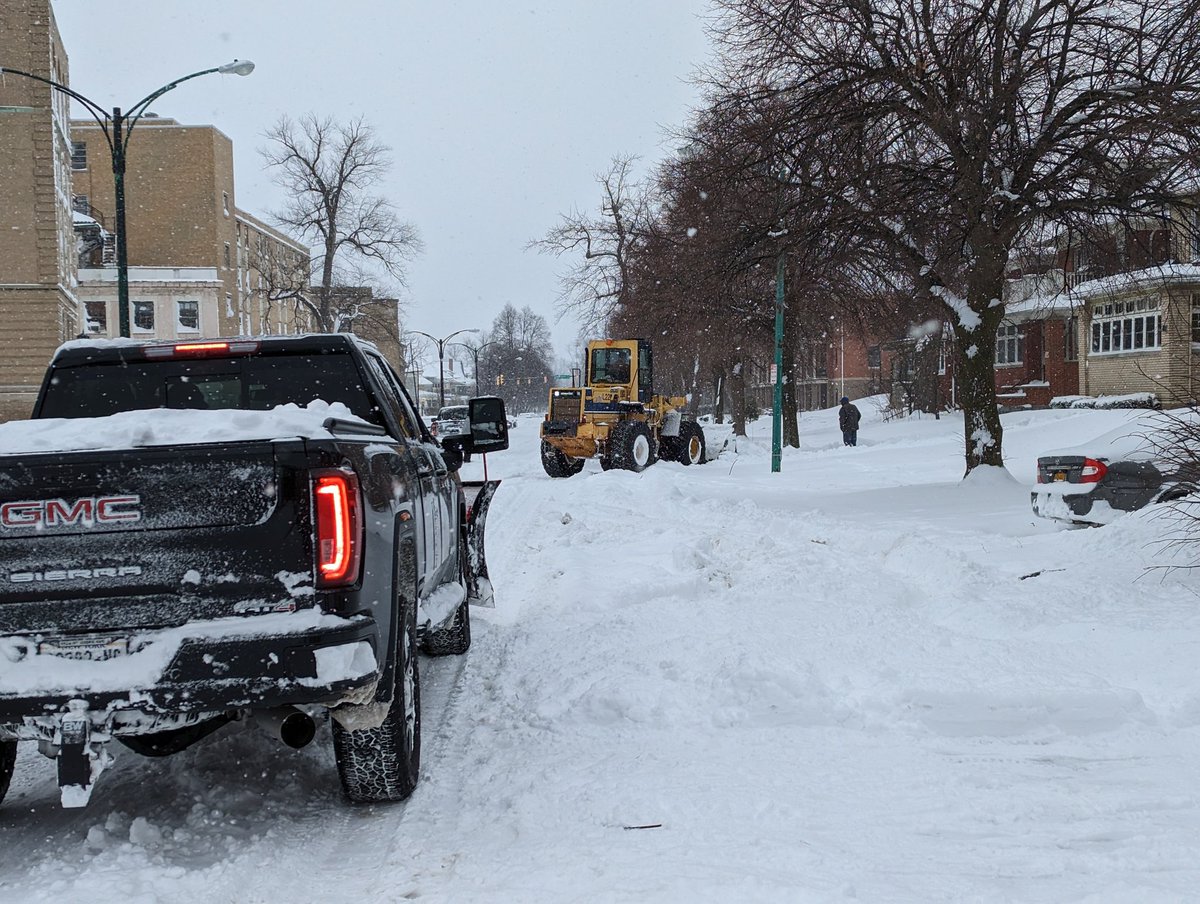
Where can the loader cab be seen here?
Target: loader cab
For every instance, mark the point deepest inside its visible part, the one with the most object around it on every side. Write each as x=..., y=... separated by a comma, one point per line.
x=621, y=363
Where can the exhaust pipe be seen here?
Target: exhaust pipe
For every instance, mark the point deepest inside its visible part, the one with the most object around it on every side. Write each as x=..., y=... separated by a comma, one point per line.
x=297, y=729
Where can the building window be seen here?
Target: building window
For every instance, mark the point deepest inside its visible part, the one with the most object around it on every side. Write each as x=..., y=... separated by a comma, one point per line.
x=227, y=258
x=941, y=362
x=1126, y=326
x=225, y=202
x=81, y=204
x=78, y=155
x=873, y=357
x=1196, y=318
x=143, y=316
x=187, y=316
x=1010, y=345
x=1071, y=339
x=1196, y=235
x=97, y=317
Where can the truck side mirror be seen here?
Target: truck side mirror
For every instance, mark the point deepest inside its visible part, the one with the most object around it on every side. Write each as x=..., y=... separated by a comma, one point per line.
x=489, y=424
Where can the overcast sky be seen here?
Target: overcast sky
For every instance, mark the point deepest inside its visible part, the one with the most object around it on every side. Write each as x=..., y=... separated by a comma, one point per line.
x=498, y=114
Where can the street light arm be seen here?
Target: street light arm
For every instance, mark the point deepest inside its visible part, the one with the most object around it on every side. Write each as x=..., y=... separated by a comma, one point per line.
x=237, y=67
x=426, y=335
x=458, y=332
x=135, y=112
x=98, y=112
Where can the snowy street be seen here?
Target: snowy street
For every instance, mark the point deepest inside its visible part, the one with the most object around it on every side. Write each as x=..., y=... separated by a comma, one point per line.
x=859, y=679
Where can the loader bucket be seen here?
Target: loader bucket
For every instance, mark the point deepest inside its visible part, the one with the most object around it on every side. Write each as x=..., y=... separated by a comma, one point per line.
x=479, y=495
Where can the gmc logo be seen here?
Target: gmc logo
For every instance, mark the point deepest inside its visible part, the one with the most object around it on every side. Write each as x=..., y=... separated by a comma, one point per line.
x=88, y=511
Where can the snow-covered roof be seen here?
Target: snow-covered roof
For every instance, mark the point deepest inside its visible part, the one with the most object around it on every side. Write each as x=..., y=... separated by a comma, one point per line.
x=1137, y=279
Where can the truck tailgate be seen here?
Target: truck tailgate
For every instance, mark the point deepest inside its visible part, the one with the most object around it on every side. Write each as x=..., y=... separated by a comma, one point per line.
x=152, y=537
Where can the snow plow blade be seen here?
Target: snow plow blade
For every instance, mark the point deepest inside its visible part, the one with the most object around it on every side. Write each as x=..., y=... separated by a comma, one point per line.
x=479, y=495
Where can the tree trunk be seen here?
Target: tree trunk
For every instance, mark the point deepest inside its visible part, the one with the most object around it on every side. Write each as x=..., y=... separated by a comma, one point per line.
x=737, y=398
x=982, y=431
x=791, y=425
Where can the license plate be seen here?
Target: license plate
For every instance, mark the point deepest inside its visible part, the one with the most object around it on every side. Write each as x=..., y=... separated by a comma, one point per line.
x=85, y=649
x=1060, y=475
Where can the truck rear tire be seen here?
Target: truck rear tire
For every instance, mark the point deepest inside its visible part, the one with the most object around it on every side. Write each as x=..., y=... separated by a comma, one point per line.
x=632, y=447
x=383, y=764
x=557, y=463
x=8, y=763
x=691, y=448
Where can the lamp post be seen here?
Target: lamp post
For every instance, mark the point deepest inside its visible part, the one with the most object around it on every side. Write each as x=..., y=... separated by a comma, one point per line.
x=475, y=350
x=117, y=128
x=441, y=347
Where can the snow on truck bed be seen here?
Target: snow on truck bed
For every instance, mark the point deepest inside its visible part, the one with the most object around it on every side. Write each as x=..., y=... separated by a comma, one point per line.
x=167, y=427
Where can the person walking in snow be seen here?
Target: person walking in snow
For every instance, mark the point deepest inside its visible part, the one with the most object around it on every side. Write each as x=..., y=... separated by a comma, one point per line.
x=848, y=418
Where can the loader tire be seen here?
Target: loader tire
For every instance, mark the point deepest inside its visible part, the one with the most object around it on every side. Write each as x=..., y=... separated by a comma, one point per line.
x=631, y=446
x=455, y=638
x=556, y=463
x=383, y=764
x=691, y=448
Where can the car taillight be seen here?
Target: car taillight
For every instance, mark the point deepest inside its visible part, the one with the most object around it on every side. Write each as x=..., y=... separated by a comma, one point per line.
x=1093, y=471
x=337, y=523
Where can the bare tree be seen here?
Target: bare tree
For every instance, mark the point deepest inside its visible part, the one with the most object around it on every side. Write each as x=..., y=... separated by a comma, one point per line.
x=597, y=284
x=331, y=172
x=953, y=130
x=517, y=358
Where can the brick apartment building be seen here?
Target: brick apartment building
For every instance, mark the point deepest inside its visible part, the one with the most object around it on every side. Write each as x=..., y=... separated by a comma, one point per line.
x=199, y=264
x=39, y=308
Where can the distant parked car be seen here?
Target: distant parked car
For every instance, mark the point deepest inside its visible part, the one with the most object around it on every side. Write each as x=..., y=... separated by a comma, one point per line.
x=453, y=420
x=1120, y=471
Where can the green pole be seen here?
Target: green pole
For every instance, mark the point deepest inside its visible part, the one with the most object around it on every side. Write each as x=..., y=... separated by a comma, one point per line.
x=118, y=164
x=777, y=414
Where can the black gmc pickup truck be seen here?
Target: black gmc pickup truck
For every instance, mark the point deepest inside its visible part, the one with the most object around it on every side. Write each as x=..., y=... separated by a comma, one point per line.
x=193, y=532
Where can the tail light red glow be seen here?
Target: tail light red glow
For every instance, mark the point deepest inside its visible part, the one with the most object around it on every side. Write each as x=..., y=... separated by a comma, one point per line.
x=1093, y=471
x=337, y=522
x=244, y=347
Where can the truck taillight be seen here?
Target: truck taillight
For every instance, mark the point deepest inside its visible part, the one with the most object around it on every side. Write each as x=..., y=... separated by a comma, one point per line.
x=1093, y=471
x=201, y=349
x=338, y=527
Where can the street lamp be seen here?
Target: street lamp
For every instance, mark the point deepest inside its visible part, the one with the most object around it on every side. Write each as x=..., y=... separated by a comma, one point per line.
x=117, y=129
x=441, y=347
x=475, y=350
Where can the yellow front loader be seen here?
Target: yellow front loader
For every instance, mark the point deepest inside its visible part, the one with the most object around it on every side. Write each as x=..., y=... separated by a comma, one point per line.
x=616, y=417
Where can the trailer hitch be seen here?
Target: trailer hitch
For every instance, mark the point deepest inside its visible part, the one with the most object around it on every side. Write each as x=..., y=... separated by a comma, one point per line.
x=81, y=750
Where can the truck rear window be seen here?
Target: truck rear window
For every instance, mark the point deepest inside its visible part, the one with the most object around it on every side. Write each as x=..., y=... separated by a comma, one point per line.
x=252, y=383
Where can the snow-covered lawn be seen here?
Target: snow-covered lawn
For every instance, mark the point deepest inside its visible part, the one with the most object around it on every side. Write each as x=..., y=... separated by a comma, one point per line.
x=862, y=678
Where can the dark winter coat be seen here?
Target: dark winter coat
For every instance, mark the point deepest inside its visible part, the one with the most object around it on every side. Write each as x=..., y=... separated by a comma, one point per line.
x=848, y=417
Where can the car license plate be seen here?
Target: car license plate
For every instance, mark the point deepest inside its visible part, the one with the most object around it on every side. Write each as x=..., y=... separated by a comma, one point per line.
x=1060, y=475
x=89, y=648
